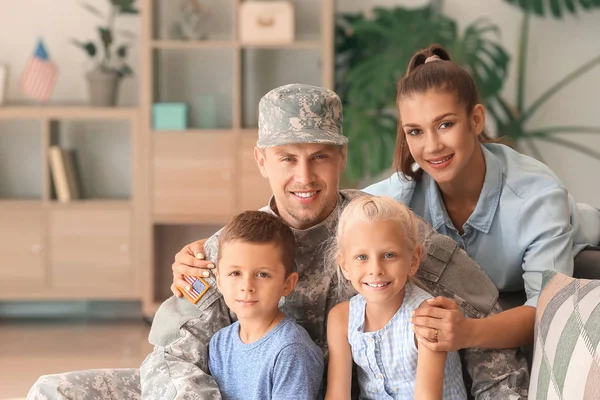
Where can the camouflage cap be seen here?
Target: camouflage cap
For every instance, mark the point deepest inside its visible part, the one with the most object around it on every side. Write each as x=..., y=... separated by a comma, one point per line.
x=300, y=113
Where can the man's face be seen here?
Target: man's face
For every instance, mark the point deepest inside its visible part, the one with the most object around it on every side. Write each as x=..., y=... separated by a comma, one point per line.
x=252, y=278
x=304, y=179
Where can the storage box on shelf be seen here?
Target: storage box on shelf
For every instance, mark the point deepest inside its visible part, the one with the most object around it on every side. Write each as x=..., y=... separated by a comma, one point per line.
x=202, y=176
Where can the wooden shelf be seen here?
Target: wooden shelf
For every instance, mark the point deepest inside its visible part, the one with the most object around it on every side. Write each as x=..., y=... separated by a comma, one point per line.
x=301, y=44
x=68, y=112
x=201, y=219
x=192, y=44
x=17, y=203
x=92, y=204
x=227, y=44
x=40, y=294
x=192, y=132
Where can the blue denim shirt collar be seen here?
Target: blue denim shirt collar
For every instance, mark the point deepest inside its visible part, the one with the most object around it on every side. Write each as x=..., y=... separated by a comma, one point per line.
x=486, y=207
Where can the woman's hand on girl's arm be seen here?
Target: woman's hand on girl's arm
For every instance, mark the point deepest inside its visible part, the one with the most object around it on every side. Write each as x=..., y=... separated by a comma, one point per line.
x=429, y=383
x=339, y=372
x=443, y=316
x=508, y=329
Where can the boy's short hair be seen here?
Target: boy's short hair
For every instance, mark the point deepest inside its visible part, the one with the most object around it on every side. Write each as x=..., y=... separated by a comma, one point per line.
x=261, y=227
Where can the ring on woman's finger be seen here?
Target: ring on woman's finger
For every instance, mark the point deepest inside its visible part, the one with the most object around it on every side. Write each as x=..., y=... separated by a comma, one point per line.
x=436, y=332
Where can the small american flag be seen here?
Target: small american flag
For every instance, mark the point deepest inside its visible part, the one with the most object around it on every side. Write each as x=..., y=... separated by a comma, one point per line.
x=39, y=76
x=198, y=287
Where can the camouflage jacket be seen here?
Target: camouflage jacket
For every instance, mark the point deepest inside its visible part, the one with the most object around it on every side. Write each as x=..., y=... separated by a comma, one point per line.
x=181, y=331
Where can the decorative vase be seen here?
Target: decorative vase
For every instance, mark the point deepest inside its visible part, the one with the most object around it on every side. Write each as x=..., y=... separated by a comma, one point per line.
x=103, y=86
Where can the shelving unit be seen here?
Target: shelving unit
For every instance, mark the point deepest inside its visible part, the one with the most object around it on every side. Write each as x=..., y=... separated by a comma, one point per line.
x=147, y=193
x=197, y=179
x=84, y=249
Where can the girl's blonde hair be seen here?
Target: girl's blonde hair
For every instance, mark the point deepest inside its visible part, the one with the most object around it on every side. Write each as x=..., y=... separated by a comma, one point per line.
x=372, y=209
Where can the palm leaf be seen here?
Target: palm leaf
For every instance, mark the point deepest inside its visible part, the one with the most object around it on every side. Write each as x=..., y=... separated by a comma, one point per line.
x=564, y=129
x=534, y=149
x=559, y=85
x=391, y=37
x=370, y=136
x=483, y=58
x=558, y=8
x=574, y=146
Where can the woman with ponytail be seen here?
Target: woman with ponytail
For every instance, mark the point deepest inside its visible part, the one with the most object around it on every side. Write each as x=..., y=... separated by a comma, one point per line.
x=508, y=211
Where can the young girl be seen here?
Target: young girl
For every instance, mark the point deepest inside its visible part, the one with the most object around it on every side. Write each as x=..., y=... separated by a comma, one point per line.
x=508, y=211
x=378, y=250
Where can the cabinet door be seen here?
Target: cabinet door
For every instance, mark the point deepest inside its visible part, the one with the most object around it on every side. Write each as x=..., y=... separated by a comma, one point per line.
x=193, y=177
x=90, y=255
x=21, y=249
x=254, y=191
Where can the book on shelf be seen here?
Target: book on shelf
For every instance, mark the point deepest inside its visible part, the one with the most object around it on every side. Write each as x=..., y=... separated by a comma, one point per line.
x=64, y=174
x=72, y=177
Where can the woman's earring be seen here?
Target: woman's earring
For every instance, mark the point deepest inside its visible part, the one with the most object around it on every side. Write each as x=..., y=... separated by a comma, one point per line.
x=415, y=167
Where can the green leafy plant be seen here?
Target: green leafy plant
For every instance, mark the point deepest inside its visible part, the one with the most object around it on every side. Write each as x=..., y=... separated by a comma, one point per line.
x=512, y=120
x=372, y=54
x=110, y=61
x=557, y=8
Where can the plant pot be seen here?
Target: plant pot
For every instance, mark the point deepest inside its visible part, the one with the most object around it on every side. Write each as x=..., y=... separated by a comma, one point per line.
x=103, y=87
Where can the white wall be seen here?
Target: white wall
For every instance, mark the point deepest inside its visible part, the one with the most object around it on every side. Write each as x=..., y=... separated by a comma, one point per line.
x=57, y=22
x=556, y=48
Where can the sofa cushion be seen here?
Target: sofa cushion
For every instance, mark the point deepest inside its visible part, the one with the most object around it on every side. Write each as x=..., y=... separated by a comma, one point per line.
x=566, y=359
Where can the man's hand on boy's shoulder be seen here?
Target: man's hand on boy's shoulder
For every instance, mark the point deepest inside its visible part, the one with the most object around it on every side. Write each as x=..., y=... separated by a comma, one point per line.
x=192, y=261
x=176, y=312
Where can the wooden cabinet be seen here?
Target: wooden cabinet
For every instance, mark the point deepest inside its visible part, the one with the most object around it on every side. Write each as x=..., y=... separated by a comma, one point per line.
x=90, y=252
x=253, y=189
x=22, y=249
x=81, y=249
x=193, y=176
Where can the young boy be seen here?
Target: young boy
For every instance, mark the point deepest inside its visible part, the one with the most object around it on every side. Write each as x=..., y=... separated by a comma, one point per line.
x=263, y=355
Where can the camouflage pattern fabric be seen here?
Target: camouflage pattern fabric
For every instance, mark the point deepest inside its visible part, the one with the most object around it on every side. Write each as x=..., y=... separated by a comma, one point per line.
x=300, y=114
x=90, y=384
x=181, y=331
x=448, y=271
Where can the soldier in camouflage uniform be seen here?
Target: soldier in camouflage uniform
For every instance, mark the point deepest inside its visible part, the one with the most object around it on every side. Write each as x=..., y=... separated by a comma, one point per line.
x=181, y=331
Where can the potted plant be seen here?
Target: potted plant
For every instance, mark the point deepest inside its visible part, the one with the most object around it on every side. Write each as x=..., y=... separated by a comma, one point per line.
x=110, y=66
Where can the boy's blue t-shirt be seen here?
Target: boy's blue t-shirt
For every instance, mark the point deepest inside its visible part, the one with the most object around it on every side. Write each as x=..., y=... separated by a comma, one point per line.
x=284, y=364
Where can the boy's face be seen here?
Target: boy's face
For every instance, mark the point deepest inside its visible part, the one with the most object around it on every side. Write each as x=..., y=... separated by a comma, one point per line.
x=252, y=278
